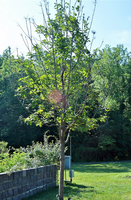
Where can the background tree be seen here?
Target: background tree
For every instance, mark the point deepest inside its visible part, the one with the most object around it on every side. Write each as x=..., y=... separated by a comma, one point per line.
x=12, y=127
x=110, y=140
x=115, y=63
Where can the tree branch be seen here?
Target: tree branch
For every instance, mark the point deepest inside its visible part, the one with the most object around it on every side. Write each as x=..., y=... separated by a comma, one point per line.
x=68, y=136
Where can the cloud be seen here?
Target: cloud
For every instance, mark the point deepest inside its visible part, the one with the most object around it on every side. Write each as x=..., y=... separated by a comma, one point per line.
x=121, y=37
x=129, y=18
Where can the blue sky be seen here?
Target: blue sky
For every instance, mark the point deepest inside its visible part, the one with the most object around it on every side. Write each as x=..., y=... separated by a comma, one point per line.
x=112, y=21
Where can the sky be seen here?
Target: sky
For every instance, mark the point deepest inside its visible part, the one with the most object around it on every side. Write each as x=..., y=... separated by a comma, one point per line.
x=112, y=22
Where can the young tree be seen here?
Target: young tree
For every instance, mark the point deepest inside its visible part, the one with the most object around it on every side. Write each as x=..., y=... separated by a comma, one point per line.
x=56, y=79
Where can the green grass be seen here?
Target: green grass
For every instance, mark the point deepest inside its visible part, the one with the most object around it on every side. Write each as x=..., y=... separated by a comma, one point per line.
x=104, y=181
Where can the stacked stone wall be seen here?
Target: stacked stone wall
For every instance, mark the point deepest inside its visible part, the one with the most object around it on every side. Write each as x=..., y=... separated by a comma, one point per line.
x=25, y=183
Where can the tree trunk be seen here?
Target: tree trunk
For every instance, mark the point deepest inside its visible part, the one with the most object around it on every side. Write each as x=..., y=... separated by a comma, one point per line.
x=62, y=156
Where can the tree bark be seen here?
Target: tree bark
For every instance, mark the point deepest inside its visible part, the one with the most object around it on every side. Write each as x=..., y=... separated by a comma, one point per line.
x=62, y=157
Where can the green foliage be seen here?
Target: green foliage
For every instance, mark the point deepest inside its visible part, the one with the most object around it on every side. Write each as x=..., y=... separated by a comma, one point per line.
x=32, y=156
x=110, y=140
x=1, y=60
x=62, y=62
x=116, y=73
x=12, y=163
x=7, y=161
x=12, y=127
x=3, y=147
x=39, y=154
x=107, y=143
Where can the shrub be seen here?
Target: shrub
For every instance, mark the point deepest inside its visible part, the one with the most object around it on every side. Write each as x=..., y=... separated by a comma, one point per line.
x=32, y=156
x=39, y=154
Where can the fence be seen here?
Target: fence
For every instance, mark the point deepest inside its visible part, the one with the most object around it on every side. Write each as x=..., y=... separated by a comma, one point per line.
x=27, y=182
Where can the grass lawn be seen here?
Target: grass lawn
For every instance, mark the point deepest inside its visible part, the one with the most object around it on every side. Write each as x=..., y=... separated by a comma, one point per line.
x=104, y=181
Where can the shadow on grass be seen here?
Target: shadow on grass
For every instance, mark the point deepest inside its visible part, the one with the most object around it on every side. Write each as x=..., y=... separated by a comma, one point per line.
x=78, y=185
x=69, y=191
x=49, y=194
x=72, y=189
x=115, y=167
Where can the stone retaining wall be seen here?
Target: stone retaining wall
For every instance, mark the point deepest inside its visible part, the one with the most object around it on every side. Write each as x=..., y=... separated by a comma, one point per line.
x=25, y=183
